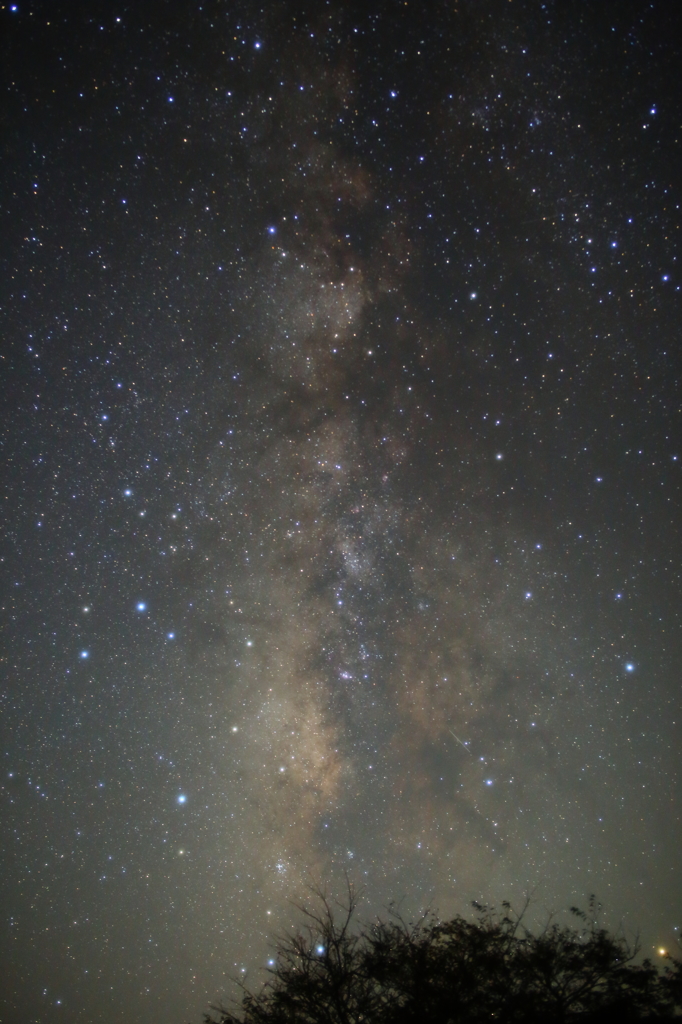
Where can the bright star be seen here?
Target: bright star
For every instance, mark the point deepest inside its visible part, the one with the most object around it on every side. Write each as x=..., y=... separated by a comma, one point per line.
x=85, y=654
x=182, y=798
x=629, y=666
x=141, y=606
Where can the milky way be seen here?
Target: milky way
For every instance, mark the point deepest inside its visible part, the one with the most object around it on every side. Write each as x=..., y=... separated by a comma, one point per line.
x=342, y=438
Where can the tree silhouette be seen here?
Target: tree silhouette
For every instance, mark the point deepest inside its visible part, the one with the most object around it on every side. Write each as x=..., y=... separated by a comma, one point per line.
x=457, y=972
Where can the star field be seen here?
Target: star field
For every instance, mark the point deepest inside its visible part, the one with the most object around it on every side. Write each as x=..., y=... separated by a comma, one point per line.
x=342, y=450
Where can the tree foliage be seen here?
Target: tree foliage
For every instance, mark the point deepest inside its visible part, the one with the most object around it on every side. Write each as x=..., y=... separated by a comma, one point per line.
x=456, y=972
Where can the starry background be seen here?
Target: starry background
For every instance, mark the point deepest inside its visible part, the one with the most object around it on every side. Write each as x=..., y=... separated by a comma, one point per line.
x=341, y=435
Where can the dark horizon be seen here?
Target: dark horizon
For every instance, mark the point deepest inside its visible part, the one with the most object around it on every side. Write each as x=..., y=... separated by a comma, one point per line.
x=342, y=452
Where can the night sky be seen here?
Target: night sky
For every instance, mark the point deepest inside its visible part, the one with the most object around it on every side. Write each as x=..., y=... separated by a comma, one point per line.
x=341, y=434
